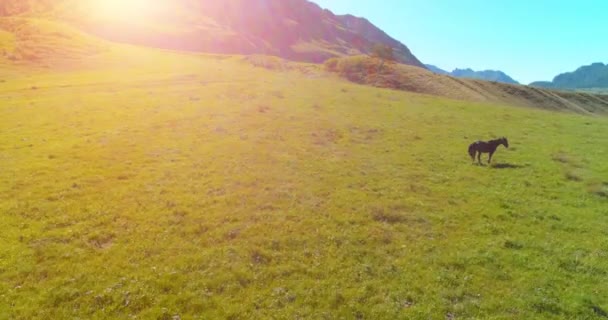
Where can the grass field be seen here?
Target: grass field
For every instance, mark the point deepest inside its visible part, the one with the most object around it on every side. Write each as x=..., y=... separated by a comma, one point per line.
x=146, y=184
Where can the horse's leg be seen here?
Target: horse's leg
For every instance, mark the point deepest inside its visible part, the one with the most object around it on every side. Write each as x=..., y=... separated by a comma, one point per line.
x=490, y=157
x=479, y=157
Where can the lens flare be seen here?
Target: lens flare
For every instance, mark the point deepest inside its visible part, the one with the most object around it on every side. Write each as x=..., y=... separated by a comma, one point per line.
x=127, y=10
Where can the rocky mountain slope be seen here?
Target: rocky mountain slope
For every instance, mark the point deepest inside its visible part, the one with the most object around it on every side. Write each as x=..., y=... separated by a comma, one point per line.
x=294, y=29
x=594, y=76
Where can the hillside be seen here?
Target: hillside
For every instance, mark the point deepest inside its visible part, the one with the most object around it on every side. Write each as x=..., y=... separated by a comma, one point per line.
x=488, y=75
x=294, y=29
x=45, y=44
x=368, y=71
x=593, y=77
x=29, y=41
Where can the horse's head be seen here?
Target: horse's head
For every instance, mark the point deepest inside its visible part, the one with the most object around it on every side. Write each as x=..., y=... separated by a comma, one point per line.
x=504, y=141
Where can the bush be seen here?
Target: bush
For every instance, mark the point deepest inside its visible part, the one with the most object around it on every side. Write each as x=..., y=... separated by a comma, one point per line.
x=366, y=70
x=331, y=64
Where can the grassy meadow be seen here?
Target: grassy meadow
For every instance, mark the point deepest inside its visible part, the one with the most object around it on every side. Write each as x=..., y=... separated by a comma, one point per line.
x=155, y=185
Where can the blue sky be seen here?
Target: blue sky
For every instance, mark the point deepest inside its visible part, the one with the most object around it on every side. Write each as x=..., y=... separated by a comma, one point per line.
x=529, y=40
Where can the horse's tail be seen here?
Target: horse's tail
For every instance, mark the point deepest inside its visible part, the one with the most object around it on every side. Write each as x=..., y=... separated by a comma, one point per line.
x=472, y=151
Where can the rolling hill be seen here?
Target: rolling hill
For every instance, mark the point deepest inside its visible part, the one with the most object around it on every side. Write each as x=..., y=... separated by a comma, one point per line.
x=41, y=42
x=294, y=29
x=47, y=35
x=367, y=70
x=488, y=75
x=594, y=76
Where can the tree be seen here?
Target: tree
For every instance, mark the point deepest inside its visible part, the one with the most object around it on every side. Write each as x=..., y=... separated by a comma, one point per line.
x=383, y=52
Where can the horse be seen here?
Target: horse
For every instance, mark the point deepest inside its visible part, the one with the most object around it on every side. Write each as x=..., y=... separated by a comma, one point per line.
x=479, y=147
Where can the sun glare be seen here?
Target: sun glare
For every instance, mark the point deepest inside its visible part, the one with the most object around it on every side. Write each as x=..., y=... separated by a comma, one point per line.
x=127, y=10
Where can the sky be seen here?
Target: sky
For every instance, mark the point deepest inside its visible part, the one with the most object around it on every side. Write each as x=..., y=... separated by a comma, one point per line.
x=530, y=40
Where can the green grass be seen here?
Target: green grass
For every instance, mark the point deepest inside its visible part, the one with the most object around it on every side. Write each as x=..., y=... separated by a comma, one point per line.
x=152, y=184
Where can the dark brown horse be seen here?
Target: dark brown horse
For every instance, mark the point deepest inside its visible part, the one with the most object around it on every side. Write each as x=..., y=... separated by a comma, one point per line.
x=479, y=147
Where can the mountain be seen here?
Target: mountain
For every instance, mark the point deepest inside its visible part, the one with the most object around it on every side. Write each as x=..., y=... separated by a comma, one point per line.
x=594, y=76
x=373, y=34
x=294, y=29
x=436, y=69
x=488, y=75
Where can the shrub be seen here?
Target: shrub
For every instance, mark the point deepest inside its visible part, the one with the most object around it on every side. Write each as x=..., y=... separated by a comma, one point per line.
x=331, y=64
x=370, y=71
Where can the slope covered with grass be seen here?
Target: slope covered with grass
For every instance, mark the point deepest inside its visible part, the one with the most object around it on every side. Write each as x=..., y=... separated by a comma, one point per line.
x=370, y=71
x=40, y=42
x=149, y=184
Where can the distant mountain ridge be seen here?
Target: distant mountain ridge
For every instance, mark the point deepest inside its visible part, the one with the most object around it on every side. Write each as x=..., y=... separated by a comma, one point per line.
x=294, y=29
x=488, y=75
x=594, y=76
x=437, y=70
